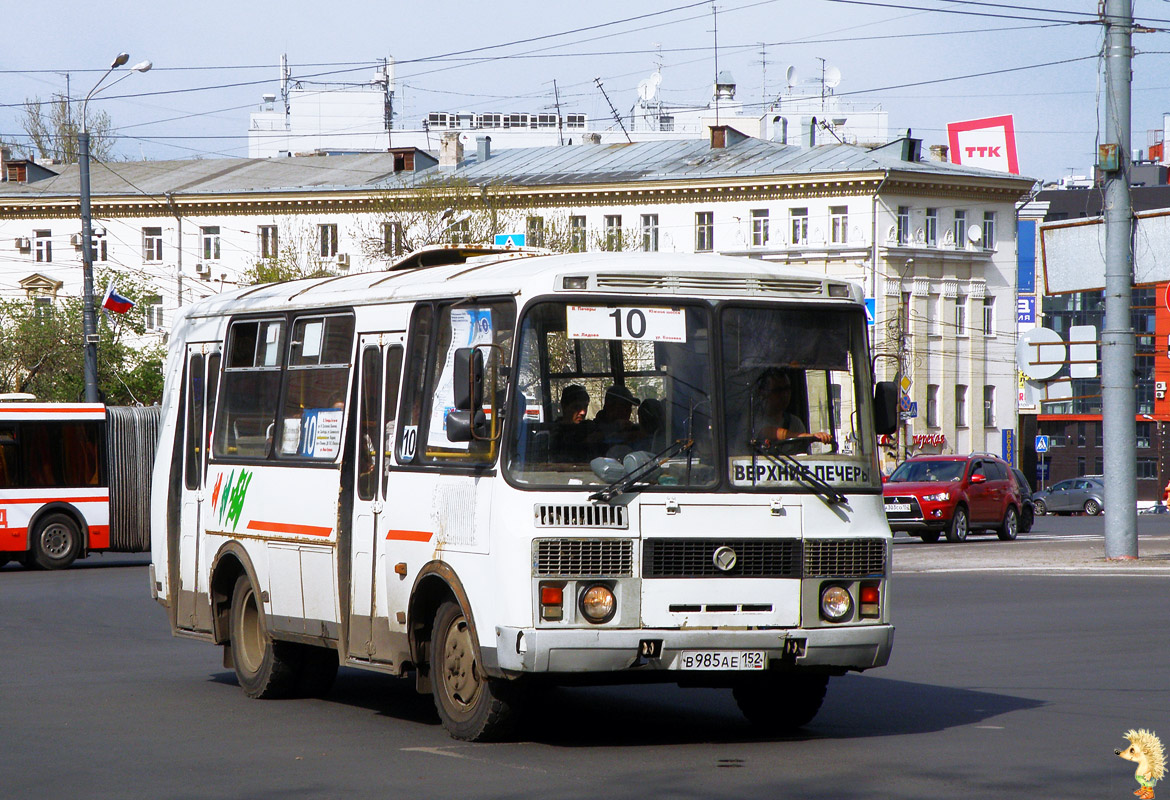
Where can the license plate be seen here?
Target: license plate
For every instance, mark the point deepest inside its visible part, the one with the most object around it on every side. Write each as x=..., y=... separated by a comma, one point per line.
x=896, y=507
x=722, y=659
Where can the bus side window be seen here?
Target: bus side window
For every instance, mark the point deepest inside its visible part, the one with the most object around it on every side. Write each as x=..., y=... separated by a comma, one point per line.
x=369, y=415
x=9, y=464
x=251, y=386
x=412, y=399
x=390, y=406
x=213, y=364
x=195, y=423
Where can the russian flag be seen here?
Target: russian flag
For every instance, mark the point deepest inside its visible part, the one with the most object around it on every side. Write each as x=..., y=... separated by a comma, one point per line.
x=116, y=302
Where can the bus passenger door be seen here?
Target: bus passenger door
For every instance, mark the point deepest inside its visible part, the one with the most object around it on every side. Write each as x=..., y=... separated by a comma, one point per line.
x=380, y=366
x=203, y=361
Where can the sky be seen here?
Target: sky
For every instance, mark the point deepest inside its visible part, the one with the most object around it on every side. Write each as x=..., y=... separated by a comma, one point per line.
x=926, y=62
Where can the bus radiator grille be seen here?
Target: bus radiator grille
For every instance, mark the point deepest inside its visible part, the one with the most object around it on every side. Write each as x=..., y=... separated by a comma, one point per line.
x=844, y=558
x=583, y=558
x=695, y=558
x=580, y=516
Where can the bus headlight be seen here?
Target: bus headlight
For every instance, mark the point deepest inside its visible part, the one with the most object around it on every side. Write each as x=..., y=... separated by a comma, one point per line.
x=598, y=604
x=836, y=604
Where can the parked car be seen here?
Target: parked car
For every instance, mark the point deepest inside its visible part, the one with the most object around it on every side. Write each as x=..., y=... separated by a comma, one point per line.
x=927, y=496
x=1072, y=497
x=1027, y=508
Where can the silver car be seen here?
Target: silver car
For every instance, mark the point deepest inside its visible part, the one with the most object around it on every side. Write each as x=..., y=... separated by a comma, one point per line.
x=1071, y=497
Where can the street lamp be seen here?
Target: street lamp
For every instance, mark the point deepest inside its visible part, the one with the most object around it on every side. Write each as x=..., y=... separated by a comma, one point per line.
x=88, y=319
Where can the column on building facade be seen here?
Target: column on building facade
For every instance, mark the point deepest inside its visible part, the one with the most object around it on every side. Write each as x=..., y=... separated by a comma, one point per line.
x=919, y=334
x=978, y=368
x=952, y=371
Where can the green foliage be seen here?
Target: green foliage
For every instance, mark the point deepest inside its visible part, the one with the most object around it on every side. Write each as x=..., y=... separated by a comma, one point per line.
x=296, y=257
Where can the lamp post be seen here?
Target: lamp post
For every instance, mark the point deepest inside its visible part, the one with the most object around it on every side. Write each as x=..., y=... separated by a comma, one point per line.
x=88, y=318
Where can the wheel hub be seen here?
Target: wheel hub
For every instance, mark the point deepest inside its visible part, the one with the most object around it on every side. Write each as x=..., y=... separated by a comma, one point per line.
x=55, y=541
x=460, y=676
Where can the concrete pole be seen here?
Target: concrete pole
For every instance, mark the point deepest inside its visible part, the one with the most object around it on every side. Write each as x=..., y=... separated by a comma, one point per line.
x=89, y=321
x=1118, y=397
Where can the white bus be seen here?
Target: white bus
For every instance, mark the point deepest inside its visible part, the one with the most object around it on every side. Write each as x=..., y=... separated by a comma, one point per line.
x=517, y=470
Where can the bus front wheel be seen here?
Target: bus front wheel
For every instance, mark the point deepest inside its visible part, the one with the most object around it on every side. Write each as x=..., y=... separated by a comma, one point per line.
x=471, y=705
x=56, y=542
x=778, y=703
x=264, y=668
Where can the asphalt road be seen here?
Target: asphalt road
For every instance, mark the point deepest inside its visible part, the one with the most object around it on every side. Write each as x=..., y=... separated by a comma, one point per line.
x=1002, y=685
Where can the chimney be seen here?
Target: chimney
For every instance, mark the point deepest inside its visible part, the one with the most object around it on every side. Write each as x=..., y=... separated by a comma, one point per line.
x=483, y=148
x=939, y=152
x=591, y=138
x=450, y=150
x=725, y=136
x=5, y=157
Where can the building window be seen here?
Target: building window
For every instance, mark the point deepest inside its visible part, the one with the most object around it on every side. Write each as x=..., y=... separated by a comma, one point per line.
x=392, y=239
x=613, y=232
x=989, y=240
x=1099, y=434
x=650, y=233
x=960, y=406
x=759, y=227
x=704, y=231
x=799, y=219
x=153, y=310
x=459, y=232
x=577, y=234
x=838, y=224
x=988, y=406
x=43, y=244
x=989, y=316
x=1099, y=466
x=266, y=237
x=210, y=237
x=534, y=232
x=960, y=315
x=98, y=247
x=960, y=229
x=1080, y=465
x=1081, y=428
x=1144, y=429
x=932, y=405
x=931, y=230
x=903, y=224
x=327, y=240
x=152, y=245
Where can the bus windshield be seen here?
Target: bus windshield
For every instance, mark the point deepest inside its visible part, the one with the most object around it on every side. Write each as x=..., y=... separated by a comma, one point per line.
x=604, y=389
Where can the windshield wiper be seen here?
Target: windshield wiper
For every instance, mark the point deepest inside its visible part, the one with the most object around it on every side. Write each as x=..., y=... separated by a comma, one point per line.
x=641, y=473
x=808, y=478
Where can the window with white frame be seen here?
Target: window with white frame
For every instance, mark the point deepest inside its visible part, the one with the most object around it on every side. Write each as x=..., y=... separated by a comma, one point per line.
x=534, y=231
x=266, y=241
x=960, y=315
x=989, y=239
x=799, y=219
x=459, y=232
x=759, y=227
x=650, y=233
x=210, y=237
x=392, y=239
x=989, y=316
x=577, y=234
x=613, y=232
x=903, y=224
x=152, y=309
x=839, y=224
x=959, y=231
x=327, y=240
x=932, y=405
x=931, y=229
x=960, y=406
x=43, y=246
x=99, y=247
x=704, y=231
x=152, y=245
x=989, y=406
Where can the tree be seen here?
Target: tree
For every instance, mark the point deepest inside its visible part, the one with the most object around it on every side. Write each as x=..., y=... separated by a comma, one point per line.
x=298, y=255
x=52, y=130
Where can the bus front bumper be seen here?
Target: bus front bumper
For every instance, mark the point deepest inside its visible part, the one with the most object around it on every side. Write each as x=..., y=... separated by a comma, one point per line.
x=528, y=650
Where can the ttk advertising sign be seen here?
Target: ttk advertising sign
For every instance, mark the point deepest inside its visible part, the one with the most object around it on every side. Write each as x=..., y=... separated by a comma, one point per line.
x=989, y=143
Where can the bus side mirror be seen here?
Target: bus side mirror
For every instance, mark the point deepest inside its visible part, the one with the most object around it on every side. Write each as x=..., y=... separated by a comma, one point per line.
x=464, y=425
x=467, y=421
x=885, y=407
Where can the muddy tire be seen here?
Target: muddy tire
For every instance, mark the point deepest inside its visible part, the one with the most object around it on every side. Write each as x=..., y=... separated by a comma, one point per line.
x=264, y=668
x=472, y=706
x=780, y=703
x=959, y=528
x=1010, y=528
x=56, y=542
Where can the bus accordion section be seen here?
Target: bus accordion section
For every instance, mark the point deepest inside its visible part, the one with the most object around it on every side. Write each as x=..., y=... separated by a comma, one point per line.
x=74, y=480
x=510, y=469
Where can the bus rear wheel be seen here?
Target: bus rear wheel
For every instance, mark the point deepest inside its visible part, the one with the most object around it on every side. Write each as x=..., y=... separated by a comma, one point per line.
x=471, y=705
x=780, y=703
x=56, y=542
x=264, y=668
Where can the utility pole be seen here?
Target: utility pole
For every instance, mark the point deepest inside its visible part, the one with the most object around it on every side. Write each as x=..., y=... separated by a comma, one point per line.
x=1117, y=338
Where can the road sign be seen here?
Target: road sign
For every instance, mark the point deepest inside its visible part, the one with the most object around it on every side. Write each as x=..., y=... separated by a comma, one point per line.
x=1042, y=470
x=906, y=383
x=913, y=410
x=904, y=403
x=510, y=239
x=871, y=310
x=1041, y=444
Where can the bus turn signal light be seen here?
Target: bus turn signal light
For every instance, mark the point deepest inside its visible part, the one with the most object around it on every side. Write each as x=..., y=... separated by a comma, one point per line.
x=552, y=599
x=870, y=605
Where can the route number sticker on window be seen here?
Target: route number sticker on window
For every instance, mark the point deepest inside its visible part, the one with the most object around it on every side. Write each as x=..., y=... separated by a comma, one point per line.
x=626, y=322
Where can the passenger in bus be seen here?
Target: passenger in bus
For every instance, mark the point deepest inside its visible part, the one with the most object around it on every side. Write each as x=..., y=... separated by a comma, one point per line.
x=651, y=435
x=773, y=421
x=571, y=428
x=574, y=404
x=613, y=425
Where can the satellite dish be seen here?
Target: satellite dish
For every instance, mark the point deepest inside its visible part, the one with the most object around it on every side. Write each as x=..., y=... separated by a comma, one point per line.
x=974, y=234
x=832, y=77
x=791, y=76
x=648, y=87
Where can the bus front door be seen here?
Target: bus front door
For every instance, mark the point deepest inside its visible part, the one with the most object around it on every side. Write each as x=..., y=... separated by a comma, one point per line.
x=203, y=362
x=380, y=368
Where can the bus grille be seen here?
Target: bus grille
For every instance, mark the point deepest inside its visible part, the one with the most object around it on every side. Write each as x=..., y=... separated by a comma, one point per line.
x=699, y=283
x=695, y=558
x=580, y=516
x=844, y=558
x=583, y=558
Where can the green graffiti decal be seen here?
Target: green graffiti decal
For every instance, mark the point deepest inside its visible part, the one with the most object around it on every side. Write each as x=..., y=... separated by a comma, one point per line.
x=235, y=499
x=227, y=490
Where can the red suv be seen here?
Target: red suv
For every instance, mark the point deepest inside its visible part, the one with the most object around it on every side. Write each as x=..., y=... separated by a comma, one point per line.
x=927, y=496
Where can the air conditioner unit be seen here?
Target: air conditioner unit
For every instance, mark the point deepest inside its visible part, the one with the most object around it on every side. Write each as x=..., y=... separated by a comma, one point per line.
x=23, y=243
x=75, y=239
x=1160, y=386
x=99, y=230
x=1160, y=394
x=203, y=269
x=343, y=260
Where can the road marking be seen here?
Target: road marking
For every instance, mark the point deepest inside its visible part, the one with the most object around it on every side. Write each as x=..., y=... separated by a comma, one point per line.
x=446, y=751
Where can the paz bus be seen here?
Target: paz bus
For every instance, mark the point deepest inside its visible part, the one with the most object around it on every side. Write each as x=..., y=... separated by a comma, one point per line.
x=520, y=469
x=74, y=480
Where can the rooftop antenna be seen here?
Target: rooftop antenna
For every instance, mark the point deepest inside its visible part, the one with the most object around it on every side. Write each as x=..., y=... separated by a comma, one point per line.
x=715, y=18
x=764, y=72
x=560, y=127
x=822, y=82
x=616, y=115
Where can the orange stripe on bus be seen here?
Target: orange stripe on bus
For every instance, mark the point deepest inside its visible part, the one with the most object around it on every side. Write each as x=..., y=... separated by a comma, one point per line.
x=101, y=498
x=99, y=537
x=288, y=527
x=15, y=538
x=409, y=536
